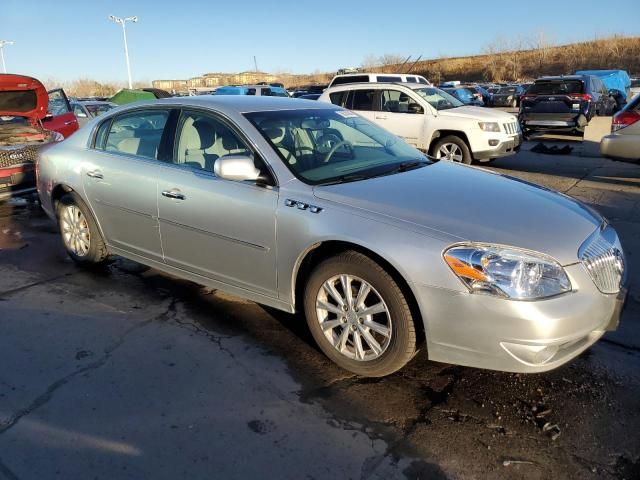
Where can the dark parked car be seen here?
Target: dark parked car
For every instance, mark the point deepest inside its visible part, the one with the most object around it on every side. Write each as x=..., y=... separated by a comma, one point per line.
x=310, y=96
x=564, y=103
x=464, y=94
x=479, y=93
x=507, y=96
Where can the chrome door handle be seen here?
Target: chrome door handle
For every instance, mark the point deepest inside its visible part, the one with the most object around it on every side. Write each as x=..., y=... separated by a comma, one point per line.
x=381, y=117
x=70, y=122
x=95, y=174
x=173, y=194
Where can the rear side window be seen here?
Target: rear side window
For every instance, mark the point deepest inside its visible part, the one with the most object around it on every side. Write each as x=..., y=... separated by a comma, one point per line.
x=338, y=98
x=101, y=135
x=556, y=87
x=361, y=100
x=423, y=81
x=350, y=79
x=388, y=78
x=412, y=80
x=138, y=133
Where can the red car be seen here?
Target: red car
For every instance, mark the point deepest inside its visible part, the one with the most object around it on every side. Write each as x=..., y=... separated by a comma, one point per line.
x=29, y=118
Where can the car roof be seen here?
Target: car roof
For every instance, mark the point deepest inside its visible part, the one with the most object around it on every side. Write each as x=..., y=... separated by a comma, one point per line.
x=244, y=103
x=411, y=85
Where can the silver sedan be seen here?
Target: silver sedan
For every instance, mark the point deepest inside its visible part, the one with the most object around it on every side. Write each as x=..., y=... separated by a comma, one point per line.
x=308, y=207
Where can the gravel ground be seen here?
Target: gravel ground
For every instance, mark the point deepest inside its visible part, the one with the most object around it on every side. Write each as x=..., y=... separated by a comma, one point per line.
x=129, y=373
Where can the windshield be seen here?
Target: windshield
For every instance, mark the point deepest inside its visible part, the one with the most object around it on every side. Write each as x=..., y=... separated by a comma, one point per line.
x=438, y=99
x=331, y=146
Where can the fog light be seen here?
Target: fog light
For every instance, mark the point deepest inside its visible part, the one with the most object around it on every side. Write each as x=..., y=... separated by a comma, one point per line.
x=493, y=143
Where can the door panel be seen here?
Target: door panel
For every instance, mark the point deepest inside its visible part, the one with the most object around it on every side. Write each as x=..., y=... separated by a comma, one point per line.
x=62, y=120
x=221, y=229
x=122, y=192
x=120, y=180
x=394, y=116
x=217, y=228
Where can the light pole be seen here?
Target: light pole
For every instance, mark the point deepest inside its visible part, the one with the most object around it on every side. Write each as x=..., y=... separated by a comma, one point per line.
x=123, y=21
x=2, y=45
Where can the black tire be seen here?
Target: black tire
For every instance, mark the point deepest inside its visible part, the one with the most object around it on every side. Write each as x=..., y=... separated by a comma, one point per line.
x=97, y=252
x=401, y=346
x=454, y=139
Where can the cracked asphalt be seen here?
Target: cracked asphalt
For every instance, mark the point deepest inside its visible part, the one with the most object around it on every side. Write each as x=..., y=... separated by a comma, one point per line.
x=127, y=373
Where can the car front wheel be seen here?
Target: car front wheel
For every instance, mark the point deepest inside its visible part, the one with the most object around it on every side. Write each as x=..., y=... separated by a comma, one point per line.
x=359, y=316
x=79, y=231
x=452, y=148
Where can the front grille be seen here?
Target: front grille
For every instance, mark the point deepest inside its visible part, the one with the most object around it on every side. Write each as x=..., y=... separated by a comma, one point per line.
x=16, y=156
x=511, y=128
x=602, y=256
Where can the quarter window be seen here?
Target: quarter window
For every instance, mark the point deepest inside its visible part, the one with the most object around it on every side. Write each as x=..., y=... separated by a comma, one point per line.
x=388, y=79
x=138, y=133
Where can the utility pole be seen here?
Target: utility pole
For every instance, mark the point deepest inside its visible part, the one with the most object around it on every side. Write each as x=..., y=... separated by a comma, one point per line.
x=123, y=21
x=3, y=43
x=255, y=63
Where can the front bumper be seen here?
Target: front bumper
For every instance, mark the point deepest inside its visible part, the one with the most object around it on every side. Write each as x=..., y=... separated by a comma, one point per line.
x=515, y=336
x=619, y=146
x=17, y=180
x=504, y=148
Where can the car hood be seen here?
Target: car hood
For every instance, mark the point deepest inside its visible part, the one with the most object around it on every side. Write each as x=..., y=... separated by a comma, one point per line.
x=478, y=113
x=474, y=205
x=22, y=96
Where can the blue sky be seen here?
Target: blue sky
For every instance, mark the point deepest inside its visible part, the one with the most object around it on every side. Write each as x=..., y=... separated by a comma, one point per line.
x=69, y=39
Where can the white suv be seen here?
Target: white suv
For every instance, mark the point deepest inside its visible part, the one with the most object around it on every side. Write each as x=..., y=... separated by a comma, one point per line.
x=363, y=77
x=432, y=120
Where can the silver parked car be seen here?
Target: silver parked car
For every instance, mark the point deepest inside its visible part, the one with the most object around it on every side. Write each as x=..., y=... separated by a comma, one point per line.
x=305, y=206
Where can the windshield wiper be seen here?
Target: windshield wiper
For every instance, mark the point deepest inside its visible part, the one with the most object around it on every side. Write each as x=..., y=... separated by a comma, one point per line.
x=405, y=167
x=352, y=177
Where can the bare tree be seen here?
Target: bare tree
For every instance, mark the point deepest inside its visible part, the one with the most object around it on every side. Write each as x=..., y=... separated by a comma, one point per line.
x=542, y=47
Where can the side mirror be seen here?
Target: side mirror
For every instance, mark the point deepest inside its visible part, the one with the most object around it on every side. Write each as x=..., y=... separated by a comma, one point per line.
x=236, y=167
x=415, y=108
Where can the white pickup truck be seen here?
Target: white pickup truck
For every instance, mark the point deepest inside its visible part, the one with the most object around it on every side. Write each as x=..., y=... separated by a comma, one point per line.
x=432, y=120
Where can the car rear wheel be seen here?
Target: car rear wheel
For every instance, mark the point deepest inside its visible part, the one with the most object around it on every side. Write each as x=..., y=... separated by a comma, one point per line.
x=79, y=231
x=359, y=316
x=452, y=148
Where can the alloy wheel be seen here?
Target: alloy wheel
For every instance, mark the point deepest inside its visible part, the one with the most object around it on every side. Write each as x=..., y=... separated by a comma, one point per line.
x=75, y=230
x=354, y=317
x=450, y=151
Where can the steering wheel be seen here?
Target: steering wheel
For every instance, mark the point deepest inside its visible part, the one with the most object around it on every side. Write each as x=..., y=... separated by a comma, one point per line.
x=336, y=147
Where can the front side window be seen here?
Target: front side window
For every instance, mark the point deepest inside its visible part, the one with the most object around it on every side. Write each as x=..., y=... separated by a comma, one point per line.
x=438, y=99
x=58, y=104
x=362, y=100
x=137, y=133
x=398, y=102
x=201, y=139
x=322, y=146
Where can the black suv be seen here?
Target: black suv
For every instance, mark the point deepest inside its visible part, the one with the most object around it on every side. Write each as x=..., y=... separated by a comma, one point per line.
x=564, y=103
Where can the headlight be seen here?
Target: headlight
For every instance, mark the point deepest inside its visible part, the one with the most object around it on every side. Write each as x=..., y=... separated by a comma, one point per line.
x=507, y=272
x=489, y=126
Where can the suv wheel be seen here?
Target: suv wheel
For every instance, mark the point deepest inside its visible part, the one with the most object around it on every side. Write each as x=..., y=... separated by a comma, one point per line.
x=79, y=231
x=452, y=148
x=358, y=315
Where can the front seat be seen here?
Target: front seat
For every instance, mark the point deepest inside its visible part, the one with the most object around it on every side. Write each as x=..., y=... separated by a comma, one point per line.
x=196, y=138
x=277, y=134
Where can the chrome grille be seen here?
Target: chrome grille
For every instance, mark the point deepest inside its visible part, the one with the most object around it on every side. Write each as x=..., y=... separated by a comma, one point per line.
x=602, y=256
x=510, y=128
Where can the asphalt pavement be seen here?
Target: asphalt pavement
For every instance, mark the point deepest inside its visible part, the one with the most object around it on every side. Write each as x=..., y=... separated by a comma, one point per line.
x=128, y=373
